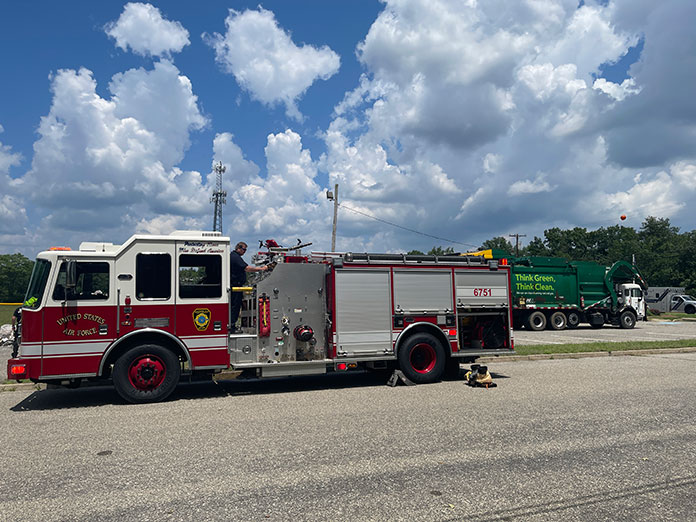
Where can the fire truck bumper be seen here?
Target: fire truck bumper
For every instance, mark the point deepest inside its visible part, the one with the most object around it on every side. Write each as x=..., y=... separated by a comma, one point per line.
x=22, y=369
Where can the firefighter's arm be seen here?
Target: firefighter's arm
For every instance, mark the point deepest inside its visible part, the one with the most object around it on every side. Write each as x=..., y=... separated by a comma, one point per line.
x=256, y=268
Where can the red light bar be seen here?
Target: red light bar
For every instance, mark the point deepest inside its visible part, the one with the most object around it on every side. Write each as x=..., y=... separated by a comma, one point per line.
x=18, y=371
x=341, y=366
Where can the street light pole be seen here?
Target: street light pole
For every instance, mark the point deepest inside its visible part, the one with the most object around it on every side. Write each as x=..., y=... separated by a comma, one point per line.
x=334, y=196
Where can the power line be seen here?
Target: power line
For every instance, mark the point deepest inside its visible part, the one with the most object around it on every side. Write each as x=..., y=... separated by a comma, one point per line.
x=341, y=205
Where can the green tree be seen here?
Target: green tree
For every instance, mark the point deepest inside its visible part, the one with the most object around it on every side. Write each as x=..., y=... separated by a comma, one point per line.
x=435, y=251
x=573, y=244
x=439, y=251
x=498, y=243
x=687, y=261
x=15, y=271
x=660, y=246
x=536, y=247
x=615, y=243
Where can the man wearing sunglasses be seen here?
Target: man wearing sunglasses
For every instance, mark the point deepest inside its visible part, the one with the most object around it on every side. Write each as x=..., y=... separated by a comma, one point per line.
x=238, y=271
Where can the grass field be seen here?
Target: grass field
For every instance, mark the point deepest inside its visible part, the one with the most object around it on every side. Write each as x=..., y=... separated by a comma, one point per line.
x=672, y=316
x=6, y=313
x=601, y=347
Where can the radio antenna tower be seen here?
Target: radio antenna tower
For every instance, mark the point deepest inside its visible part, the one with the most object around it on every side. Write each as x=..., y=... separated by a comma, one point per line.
x=219, y=197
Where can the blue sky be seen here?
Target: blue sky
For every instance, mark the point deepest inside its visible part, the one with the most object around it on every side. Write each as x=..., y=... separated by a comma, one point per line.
x=460, y=119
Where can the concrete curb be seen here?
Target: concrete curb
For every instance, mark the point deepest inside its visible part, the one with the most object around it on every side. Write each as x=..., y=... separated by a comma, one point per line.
x=581, y=355
x=494, y=359
x=22, y=386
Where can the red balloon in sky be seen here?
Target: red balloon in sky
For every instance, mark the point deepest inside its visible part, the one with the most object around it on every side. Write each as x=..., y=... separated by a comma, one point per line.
x=623, y=216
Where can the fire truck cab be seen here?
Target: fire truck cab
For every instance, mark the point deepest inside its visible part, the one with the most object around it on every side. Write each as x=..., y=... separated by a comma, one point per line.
x=157, y=307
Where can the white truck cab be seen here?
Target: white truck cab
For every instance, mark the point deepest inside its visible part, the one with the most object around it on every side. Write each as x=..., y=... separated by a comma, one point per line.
x=632, y=296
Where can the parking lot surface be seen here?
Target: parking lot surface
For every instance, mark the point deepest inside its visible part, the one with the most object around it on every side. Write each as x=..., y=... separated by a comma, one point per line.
x=653, y=330
x=572, y=440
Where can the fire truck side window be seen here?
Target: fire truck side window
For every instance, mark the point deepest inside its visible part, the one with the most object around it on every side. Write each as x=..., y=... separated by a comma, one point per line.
x=92, y=282
x=153, y=276
x=200, y=276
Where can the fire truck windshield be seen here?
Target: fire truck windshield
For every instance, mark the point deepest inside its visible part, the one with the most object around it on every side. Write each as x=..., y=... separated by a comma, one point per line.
x=37, y=283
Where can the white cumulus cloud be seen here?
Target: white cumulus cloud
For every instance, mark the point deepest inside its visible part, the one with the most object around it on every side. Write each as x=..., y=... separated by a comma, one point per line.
x=142, y=29
x=109, y=163
x=266, y=62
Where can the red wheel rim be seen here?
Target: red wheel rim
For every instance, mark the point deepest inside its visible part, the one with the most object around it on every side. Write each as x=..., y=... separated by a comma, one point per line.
x=422, y=358
x=147, y=372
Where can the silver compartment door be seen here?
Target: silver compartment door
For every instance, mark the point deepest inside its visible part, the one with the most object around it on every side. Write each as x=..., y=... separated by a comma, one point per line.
x=423, y=291
x=363, y=312
x=481, y=288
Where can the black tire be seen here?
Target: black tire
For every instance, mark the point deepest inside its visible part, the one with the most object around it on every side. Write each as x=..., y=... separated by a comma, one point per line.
x=690, y=309
x=572, y=319
x=558, y=321
x=146, y=373
x=627, y=319
x=536, y=321
x=422, y=358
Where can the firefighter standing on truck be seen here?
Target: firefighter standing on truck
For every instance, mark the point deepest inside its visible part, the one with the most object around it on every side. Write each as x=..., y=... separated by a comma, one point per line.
x=238, y=270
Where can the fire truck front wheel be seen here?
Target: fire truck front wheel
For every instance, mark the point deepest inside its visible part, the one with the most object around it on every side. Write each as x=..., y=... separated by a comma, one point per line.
x=422, y=358
x=146, y=373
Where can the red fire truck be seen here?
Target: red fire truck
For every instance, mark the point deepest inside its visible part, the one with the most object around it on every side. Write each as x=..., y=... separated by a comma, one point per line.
x=156, y=308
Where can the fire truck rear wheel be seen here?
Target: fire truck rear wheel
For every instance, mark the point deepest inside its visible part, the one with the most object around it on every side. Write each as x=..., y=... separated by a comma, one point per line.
x=536, y=321
x=573, y=319
x=422, y=358
x=558, y=321
x=146, y=373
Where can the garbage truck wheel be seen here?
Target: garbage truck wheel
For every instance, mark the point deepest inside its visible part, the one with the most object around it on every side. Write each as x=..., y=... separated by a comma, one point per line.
x=536, y=321
x=573, y=319
x=627, y=319
x=558, y=321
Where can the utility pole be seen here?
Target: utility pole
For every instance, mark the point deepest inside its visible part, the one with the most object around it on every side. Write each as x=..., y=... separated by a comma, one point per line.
x=219, y=197
x=517, y=242
x=334, y=196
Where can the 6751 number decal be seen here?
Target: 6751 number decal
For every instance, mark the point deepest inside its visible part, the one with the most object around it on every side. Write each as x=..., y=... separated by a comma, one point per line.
x=482, y=292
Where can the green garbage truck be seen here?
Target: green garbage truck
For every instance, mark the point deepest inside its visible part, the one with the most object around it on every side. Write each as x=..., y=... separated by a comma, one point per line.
x=555, y=293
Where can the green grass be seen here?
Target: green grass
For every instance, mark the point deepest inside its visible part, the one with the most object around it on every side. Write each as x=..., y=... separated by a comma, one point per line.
x=6, y=313
x=673, y=316
x=601, y=347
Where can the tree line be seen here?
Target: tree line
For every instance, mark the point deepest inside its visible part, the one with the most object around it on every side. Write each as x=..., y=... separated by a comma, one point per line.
x=664, y=255
x=15, y=270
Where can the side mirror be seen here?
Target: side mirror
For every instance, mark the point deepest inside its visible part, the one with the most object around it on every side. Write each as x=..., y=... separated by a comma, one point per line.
x=70, y=274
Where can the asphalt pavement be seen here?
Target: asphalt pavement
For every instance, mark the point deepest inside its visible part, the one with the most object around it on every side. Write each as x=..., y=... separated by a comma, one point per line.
x=653, y=330
x=574, y=439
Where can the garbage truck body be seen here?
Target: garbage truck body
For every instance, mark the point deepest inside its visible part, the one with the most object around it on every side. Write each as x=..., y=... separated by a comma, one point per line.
x=554, y=293
x=155, y=309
